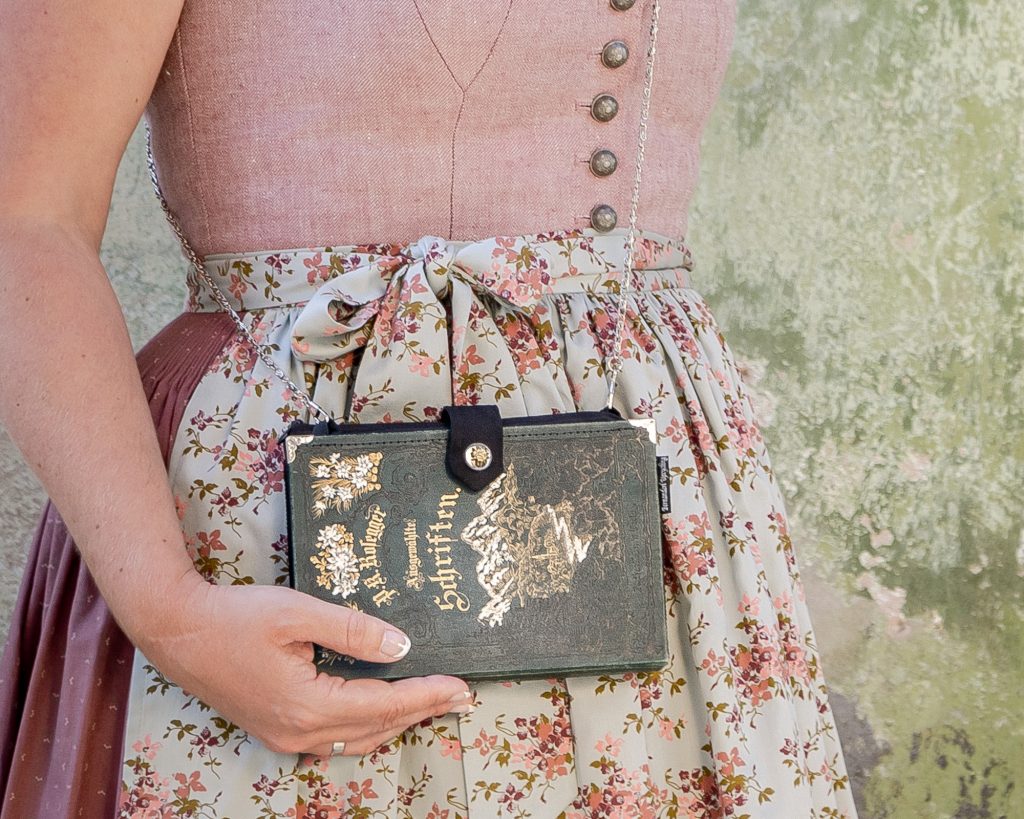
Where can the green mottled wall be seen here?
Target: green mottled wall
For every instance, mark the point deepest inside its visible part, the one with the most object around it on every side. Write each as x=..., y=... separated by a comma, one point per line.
x=858, y=232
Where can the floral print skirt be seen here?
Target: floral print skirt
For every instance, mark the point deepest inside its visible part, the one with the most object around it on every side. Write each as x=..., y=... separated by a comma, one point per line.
x=738, y=724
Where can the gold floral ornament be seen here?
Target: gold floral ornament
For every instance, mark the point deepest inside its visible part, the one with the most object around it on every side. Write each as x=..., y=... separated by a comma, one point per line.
x=340, y=479
x=335, y=560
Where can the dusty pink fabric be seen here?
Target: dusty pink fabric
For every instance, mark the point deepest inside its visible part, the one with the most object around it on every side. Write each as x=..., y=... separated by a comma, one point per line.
x=66, y=668
x=280, y=125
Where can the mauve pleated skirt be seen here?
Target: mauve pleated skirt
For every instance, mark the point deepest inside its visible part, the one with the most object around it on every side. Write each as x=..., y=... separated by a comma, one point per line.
x=66, y=668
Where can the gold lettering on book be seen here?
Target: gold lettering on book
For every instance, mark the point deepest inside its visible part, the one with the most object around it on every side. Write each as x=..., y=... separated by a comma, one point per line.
x=414, y=576
x=445, y=576
x=448, y=581
x=371, y=543
x=375, y=581
x=384, y=597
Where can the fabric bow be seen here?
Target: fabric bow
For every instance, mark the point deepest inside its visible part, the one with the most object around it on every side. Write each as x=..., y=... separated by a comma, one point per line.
x=393, y=306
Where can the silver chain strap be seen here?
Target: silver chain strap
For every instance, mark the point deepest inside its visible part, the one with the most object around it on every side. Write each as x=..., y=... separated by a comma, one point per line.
x=628, y=271
x=218, y=296
x=628, y=274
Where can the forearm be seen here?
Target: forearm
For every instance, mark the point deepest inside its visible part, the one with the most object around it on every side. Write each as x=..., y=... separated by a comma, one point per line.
x=72, y=400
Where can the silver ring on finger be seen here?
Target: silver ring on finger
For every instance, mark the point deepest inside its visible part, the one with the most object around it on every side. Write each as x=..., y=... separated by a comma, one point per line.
x=338, y=748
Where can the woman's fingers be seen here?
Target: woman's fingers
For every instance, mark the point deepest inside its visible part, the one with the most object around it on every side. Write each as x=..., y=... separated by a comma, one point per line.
x=366, y=744
x=345, y=630
x=384, y=706
x=424, y=694
x=356, y=747
x=250, y=658
x=357, y=736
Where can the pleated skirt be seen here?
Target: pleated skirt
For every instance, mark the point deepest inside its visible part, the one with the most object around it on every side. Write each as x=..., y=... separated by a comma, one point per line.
x=737, y=724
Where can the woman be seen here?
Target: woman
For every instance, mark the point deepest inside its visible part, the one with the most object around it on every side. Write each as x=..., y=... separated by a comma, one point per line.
x=294, y=147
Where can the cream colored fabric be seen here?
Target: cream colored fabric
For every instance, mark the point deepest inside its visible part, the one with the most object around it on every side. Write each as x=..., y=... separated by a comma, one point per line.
x=737, y=724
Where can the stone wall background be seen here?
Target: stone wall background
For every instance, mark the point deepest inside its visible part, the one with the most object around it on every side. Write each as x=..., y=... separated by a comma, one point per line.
x=858, y=232
x=860, y=236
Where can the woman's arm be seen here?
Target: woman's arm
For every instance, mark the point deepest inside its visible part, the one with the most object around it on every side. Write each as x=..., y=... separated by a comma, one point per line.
x=76, y=77
x=75, y=80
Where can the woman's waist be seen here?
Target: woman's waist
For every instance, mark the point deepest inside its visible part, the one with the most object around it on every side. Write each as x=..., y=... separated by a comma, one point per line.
x=517, y=269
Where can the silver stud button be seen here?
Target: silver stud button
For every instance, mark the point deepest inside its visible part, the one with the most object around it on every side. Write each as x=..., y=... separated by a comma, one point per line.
x=621, y=5
x=478, y=456
x=603, y=217
x=603, y=162
x=604, y=107
x=614, y=53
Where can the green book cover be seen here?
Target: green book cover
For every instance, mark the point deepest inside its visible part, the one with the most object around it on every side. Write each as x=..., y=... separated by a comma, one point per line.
x=554, y=568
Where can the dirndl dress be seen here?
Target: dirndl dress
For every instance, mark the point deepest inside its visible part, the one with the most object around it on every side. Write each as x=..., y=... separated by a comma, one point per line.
x=738, y=724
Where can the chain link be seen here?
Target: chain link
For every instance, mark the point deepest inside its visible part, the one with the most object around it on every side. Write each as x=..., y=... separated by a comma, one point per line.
x=218, y=296
x=624, y=287
x=628, y=273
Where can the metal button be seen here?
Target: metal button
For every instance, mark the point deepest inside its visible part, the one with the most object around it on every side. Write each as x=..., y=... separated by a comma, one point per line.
x=478, y=456
x=614, y=53
x=603, y=217
x=621, y=5
x=604, y=107
x=603, y=162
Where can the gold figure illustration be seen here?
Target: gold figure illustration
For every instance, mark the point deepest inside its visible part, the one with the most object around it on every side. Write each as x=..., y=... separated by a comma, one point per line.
x=510, y=569
x=335, y=560
x=340, y=479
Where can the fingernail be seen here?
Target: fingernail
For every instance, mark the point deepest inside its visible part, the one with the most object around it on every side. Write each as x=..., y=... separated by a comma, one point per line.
x=460, y=703
x=395, y=644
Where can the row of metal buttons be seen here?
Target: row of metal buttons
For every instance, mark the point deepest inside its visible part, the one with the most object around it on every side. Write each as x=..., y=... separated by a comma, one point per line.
x=603, y=108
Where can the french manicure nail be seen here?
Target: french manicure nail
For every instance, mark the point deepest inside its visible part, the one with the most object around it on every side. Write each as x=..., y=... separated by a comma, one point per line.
x=395, y=644
x=461, y=703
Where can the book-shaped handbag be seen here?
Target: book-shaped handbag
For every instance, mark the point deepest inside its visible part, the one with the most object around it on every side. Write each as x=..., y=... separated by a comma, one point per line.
x=505, y=548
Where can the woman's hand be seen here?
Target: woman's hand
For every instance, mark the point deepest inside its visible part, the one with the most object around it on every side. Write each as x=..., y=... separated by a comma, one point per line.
x=246, y=651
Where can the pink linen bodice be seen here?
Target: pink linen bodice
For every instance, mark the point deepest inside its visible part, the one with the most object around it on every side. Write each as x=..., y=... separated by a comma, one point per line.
x=283, y=125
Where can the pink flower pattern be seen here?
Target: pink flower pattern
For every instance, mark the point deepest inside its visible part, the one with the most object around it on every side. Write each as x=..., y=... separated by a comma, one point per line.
x=737, y=725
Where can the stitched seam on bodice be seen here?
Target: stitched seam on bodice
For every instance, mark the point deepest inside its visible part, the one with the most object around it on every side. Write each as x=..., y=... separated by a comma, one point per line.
x=197, y=157
x=462, y=100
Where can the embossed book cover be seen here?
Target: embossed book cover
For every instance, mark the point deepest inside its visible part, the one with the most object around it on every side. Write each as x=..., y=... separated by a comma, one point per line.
x=552, y=568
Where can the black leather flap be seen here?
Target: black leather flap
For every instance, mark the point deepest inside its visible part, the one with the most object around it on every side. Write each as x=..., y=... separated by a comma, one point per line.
x=475, y=437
